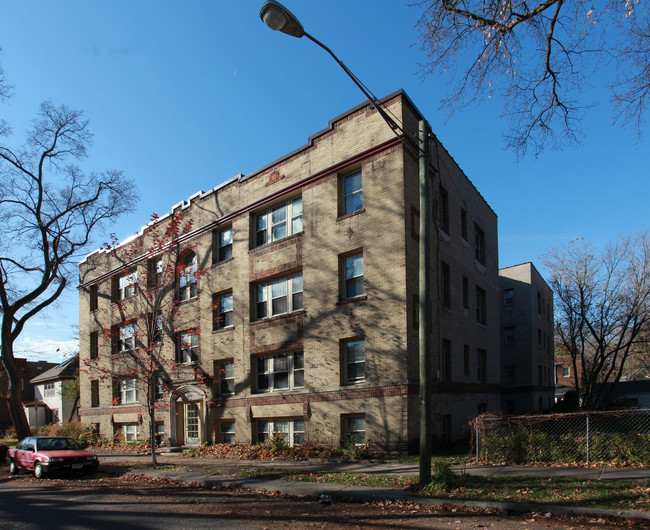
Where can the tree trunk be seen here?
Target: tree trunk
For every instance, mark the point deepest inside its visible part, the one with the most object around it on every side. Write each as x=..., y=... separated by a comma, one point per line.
x=152, y=433
x=14, y=393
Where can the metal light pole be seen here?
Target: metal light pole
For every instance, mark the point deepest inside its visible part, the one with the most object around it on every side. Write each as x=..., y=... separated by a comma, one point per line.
x=279, y=18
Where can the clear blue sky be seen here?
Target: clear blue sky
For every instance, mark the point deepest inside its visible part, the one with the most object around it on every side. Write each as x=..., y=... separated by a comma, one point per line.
x=184, y=95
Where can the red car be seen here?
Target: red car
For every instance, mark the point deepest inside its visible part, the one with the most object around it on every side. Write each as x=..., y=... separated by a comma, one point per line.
x=46, y=454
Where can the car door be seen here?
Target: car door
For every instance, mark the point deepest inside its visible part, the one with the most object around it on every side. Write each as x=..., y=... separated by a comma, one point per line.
x=25, y=453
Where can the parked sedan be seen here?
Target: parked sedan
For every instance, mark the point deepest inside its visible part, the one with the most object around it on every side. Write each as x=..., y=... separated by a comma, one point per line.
x=46, y=454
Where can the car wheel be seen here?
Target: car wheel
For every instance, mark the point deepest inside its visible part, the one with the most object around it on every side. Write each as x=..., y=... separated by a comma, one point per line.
x=13, y=468
x=38, y=470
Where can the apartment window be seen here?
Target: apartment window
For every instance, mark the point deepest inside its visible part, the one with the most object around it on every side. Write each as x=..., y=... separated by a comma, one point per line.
x=444, y=210
x=355, y=428
x=539, y=304
x=466, y=367
x=159, y=432
x=509, y=335
x=291, y=430
x=354, y=361
x=540, y=374
x=155, y=271
x=446, y=360
x=131, y=432
x=155, y=325
x=539, y=339
x=279, y=296
x=283, y=371
x=510, y=373
x=465, y=293
x=188, y=347
x=222, y=242
x=480, y=305
x=188, y=278
x=278, y=222
x=479, y=244
x=352, y=276
x=352, y=193
x=445, y=273
x=481, y=367
x=124, y=337
x=128, y=391
x=94, y=345
x=124, y=286
x=158, y=388
x=94, y=393
x=226, y=378
x=227, y=432
x=93, y=294
x=463, y=223
x=508, y=297
x=566, y=371
x=49, y=390
x=222, y=310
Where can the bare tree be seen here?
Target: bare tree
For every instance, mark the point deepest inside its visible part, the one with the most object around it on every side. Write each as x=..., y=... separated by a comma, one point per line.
x=49, y=207
x=540, y=55
x=602, y=308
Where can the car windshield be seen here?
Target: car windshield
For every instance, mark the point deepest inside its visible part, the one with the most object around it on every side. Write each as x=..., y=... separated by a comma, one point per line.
x=56, y=444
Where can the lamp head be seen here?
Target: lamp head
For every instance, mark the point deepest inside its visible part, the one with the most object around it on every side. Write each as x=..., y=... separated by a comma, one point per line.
x=279, y=18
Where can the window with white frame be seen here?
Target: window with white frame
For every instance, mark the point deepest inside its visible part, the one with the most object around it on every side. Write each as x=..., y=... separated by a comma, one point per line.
x=188, y=347
x=125, y=285
x=158, y=388
x=155, y=267
x=278, y=222
x=566, y=371
x=227, y=432
x=125, y=337
x=129, y=391
x=291, y=430
x=282, y=371
x=188, y=278
x=222, y=310
x=279, y=296
x=351, y=193
x=222, y=245
x=352, y=272
x=355, y=428
x=354, y=361
x=131, y=432
x=49, y=390
x=226, y=378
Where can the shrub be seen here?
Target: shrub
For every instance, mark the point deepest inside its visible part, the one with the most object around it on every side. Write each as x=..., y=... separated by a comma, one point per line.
x=443, y=477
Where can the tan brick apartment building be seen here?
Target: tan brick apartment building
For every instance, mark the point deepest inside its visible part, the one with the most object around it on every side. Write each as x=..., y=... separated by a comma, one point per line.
x=313, y=263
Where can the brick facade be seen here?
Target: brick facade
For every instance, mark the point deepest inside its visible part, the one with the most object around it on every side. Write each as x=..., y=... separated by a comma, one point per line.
x=327, y=332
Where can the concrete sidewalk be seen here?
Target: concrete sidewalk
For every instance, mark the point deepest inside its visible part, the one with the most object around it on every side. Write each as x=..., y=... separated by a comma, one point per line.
x=211, y=472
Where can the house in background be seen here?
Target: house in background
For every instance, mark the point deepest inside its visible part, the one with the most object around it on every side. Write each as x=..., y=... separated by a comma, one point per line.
x=28, y=370
x=527, y=340
x=51, y=404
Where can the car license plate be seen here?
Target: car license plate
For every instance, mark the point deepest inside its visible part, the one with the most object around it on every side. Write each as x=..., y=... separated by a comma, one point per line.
x=77, y=466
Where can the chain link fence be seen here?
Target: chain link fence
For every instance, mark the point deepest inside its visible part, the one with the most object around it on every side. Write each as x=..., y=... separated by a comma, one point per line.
x=612, y=436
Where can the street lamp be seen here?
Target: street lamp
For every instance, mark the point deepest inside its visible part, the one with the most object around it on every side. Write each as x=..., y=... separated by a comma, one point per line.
x=279, y=18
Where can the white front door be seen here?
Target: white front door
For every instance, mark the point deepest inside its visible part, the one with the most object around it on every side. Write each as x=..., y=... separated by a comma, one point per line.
x=192, y=424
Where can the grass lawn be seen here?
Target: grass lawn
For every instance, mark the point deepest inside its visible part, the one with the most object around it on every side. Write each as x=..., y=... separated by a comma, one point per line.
x=566, y=491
